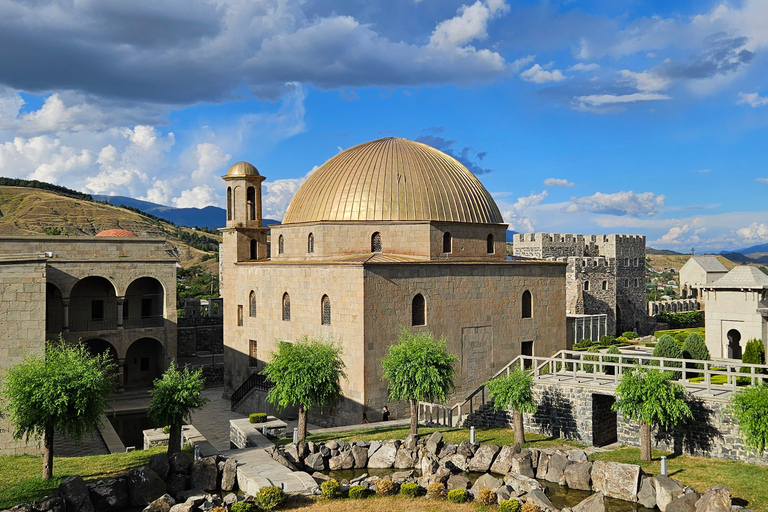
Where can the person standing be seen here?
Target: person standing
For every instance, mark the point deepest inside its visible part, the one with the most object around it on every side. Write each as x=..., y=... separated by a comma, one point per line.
x=385, y=414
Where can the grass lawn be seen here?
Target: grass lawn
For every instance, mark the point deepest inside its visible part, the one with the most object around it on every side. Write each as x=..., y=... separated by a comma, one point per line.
x=674, y=332
x=498, y=436
x=748, y=482
x=20, y=480
x=399, y=503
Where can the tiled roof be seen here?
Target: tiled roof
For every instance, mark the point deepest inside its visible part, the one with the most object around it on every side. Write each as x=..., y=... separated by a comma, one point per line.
x=742, y=277
x=709, y=263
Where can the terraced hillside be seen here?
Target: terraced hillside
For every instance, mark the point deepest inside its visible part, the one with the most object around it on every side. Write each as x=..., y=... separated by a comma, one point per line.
x=35, y=211
x=676, y=261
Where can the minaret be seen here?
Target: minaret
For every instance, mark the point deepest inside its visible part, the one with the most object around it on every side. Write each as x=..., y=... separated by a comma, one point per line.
x=244, y=237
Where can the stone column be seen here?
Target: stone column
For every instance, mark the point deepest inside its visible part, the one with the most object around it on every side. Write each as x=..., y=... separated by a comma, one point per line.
x=120, y=303
x=65, y=315
x=120, y=375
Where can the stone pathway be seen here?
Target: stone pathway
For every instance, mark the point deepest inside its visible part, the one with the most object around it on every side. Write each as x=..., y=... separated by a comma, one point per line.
x=212, y=420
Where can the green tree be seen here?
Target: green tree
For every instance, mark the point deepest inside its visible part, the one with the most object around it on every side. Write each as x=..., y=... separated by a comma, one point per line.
x=419, y=368
x=514, y=391
x=610, y=369
x=750, y=407
x=695, y=348
x=754, y=353
x=66, y=391
x=306, y=374
x=174, y=396
x=667, y=347
x=651, y=399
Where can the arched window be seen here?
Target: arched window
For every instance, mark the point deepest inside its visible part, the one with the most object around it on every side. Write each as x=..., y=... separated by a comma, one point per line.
x=229, y=203
x=527, y=309
x=250, y=203
x=254, y=250
x=311, y=243
x=446, y=242
x=605, y=285
x=376, y=242
x=252, y=304
x=489, y=245
x=286, y=307
x=586, y=286
x=280, y=245
x=418, y=310
x=325, y=306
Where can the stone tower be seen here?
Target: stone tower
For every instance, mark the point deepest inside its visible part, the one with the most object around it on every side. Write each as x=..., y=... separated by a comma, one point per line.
x=244, y=237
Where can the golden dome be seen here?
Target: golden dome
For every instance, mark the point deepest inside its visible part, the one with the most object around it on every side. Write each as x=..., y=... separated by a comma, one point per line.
x=392, y=179
x=241, y=169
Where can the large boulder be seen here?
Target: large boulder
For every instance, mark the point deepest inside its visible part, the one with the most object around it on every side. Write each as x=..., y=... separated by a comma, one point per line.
x=204, y=474
x=595, y=503
x=457, y=482
x=344, y=460
x=51, y=504
x=521, y=464
x=457, y=463
x=161, y=504
x=434, y=442
x=466, y=448
x=487, y=481
x=646, y=496
x=616, y=480
x=176, y=483
x=717, y=499
x=522, y=484
x=403, y=459
x=110, y=495
x=441, y=475
x=555, y=467
x=144, y=486
x=75, y=493
x=360, y=454
x=684, y=503
x=314, y=462
x=373, y=447
x=577, y=475
x=160, y=465
x=447, y=449
x=384, y=457
x=181, y=507
x=539, y=499
x=292, y=454
x=179, y=463
x=411, y=440
x=667, y=490
x=503, y=460
x=400, y=477
x=229, y=475
x=543, y=465
x=429, y=464
x=484, y=457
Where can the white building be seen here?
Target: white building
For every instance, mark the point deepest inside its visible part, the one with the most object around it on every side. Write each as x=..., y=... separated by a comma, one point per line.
x=737, y=307
x=698, y=271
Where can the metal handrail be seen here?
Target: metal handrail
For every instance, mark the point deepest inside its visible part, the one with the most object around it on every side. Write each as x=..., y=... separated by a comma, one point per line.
x=254, y=381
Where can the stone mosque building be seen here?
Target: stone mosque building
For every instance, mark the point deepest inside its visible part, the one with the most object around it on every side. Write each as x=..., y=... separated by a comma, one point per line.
x=386, y=234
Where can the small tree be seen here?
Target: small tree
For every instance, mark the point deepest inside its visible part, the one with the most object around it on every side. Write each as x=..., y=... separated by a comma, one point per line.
x=419, y=368
x=175, y=395
x=750, y=407
x=667, y=347
x=650, y=398
x=307, y=374
x=513, y=391
x=695, y=348
x=66, y=391
x=754, y=352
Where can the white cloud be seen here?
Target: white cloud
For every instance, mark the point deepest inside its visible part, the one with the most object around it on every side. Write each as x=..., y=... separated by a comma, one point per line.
x=755, y=232
x=598, y=100
x=539, y=75
x=580, y=66
x=521, y=63
x=619, y=203
x=646, y=81
x=470, y=23
x=197, y=197
x=558, y=182
x=762, y=180
x=704, y=171
x=518, y=216
x=674, y=235
x=752, y=99
x=278, y=195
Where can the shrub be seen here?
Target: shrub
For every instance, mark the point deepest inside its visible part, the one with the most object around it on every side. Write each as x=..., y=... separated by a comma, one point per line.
x=409, y=489
x=680, y=338
x=356, y=492
x=436, y=490
x=529, y=507
x=167, y=429
x=458, y=495
x=330, y=489
x=258, y=417
x=754, y=353
x=583, y=343
x=621, y=340
x=695, y=348
x=487, y=497
x=509, y=506
x=750, y=407
x=630, y=335
x=385, y=487
x=676, y=320
x=610, y=369
x=243, y=506
x=589, y=368
x=667, y=347
x=269, y=498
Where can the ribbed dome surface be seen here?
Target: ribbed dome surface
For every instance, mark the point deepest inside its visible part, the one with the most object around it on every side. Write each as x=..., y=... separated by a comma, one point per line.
x=116, y=232
x=392, y=179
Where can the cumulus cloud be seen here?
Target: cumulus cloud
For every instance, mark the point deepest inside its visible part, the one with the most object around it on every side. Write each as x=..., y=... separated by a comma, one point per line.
x=752, y=99
x=539, y=75
x=581, y=66
x=278, y=195
x=619, y=203
x=464, y=155
x=517, y=215
x=755, y=232
x=599, y=100
x=470, y=23
x=520, y=63
x=558, y=182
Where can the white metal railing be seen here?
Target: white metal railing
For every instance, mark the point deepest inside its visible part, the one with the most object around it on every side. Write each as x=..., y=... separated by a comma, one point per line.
x=602, y=369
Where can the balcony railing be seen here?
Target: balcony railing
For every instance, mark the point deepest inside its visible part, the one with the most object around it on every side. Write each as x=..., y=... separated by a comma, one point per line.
x=146, y=321
x=105, y=324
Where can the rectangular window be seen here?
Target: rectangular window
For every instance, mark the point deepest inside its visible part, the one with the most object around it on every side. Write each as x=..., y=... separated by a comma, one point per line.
x=145, y=364
x=239, y=315
x=146, y=308
x=253, y=359
x=97, y=310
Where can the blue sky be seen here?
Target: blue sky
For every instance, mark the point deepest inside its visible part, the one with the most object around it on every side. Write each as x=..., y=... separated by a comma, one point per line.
x=578, y=116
